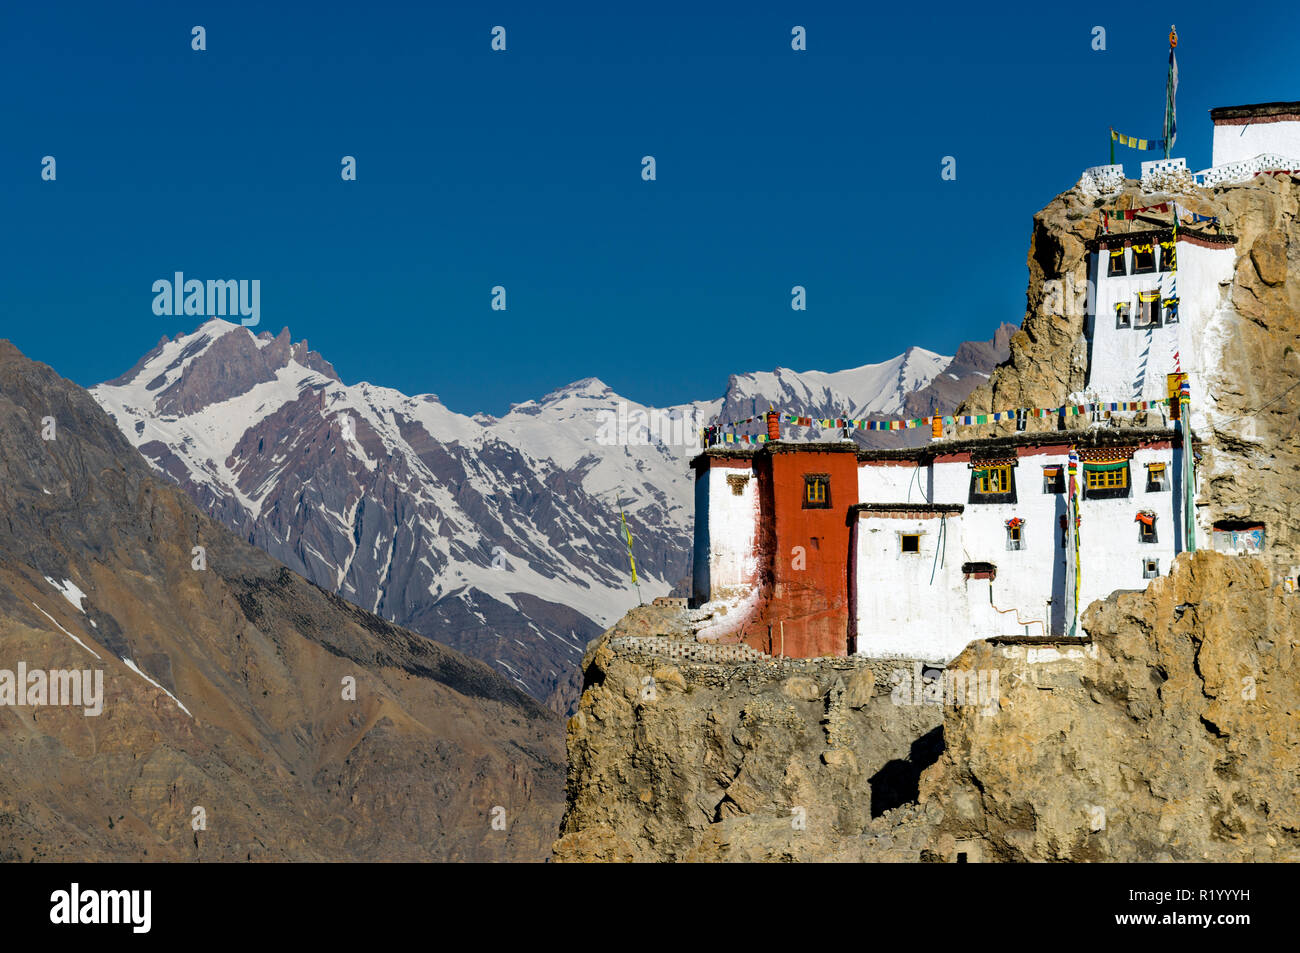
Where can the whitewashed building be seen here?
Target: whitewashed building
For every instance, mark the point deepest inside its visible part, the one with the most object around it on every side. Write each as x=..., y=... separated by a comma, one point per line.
x=1156, y=294
x=1244, y=132
x=826, y=549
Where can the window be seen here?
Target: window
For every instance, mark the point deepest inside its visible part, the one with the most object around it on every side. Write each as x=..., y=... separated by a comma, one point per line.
x=1168, y=256
x=1144, y=259
x=1117, y=262
x=992, y=482
x=993, y=479
x=1108, y=479
x=1157, y=477
x=1148, y=314
x=1015, y=533
x=1150, y=568
x=1053, y=480
x=1123, y=315
x=1146, y=521
x=1171, y=310
x=910, y=542
x=816, y=491
x=1105, y=481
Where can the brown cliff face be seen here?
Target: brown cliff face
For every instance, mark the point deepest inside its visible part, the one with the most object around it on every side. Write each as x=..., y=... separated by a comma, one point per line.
x=789, y=760
x=1179, y=739
x=224, y=687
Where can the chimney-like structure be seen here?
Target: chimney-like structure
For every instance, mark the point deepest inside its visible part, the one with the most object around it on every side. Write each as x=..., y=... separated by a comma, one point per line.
x=773, y=425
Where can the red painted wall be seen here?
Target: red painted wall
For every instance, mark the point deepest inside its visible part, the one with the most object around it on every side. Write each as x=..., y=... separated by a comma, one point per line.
x=812, y=602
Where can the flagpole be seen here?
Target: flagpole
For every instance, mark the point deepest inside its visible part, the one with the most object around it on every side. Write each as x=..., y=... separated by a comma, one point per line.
x=1171, y=94
x=631, y=560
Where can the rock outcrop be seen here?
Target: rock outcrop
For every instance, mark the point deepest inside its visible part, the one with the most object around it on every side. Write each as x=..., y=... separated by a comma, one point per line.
x=1176, y=736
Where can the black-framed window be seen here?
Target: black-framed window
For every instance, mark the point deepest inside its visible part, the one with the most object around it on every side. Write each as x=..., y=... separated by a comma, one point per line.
x=992, y=483
x=1106, y=481
x=1157, y=477
x=1116, y=266
x=816, y=491
x=1148, y=312
x=1168, y=256
x=1144, y=259
x=1123, y=315
x=1146, y=523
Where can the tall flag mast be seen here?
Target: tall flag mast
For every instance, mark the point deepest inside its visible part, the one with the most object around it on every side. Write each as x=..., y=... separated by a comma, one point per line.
x=1171, y=93
x=627, y=533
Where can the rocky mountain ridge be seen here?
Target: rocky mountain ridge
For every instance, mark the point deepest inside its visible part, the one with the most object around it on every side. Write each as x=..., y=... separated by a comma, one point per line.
x=246, y=714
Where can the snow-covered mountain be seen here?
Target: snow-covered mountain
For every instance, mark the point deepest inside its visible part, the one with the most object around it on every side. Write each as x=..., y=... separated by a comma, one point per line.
x=497, y=536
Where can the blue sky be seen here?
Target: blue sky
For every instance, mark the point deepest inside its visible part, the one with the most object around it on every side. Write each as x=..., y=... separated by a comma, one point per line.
x=523, y=169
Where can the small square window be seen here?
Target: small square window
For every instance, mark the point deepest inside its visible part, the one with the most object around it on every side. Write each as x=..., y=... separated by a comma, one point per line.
x=910, y=542
x=1157, y=477
x=1150, y=568
x=1117, y=263
x=1015, y=537
x=1123, y=315
x=816, y=491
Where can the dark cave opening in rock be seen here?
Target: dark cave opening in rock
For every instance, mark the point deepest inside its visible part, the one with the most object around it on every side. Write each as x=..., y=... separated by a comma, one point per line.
x=898, y=782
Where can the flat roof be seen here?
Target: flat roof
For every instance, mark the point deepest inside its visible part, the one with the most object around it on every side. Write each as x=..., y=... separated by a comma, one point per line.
x=906, y=508
x=1155, y=235
x=1089, y=437
x=1276, y=111
x=733, y=452
x=1083, y=437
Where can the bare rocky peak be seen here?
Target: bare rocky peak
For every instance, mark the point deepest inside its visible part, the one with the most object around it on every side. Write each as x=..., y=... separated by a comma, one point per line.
x=229, y=364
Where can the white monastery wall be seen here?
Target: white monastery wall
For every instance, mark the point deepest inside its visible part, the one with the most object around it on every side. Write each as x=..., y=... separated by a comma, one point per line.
x=1132, y=363
x=1111, y=555
x=920, y=604
x=903, y=481
x=726, y=527
x=1235, y=143
x=900, y=611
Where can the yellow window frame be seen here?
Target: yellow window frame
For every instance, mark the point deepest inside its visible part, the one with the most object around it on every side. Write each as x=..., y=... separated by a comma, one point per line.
x=994, y=480
x=1115, y=479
